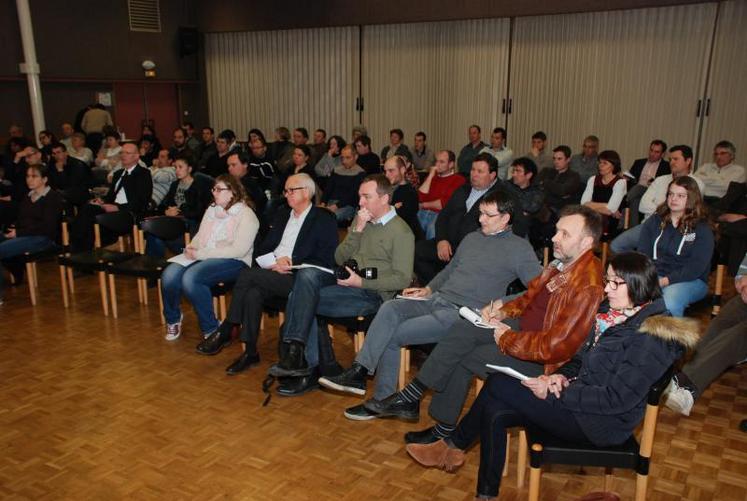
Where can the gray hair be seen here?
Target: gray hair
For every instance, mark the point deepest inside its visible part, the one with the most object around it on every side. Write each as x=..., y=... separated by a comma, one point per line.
x=305, y=181
x=727, y=145
x=360, y=128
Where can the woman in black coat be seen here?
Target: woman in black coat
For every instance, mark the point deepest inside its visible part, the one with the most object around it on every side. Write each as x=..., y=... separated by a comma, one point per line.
x=599, y=396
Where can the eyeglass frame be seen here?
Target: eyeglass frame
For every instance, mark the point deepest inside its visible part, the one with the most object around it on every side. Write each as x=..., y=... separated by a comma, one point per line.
x=289, y=191
x=617, y=284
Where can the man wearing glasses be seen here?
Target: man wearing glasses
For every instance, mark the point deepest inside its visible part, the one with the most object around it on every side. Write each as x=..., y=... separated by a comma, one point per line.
x=299, y=234
x=425, y=314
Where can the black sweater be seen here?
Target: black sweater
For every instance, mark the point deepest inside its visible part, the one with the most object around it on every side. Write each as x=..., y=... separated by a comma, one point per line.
x=40, y=218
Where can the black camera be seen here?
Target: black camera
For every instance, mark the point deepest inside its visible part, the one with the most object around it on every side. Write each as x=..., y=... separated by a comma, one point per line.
x=341, y=273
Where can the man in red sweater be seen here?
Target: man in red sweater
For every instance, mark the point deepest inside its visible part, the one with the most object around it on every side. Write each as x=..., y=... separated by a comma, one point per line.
x=436, y=190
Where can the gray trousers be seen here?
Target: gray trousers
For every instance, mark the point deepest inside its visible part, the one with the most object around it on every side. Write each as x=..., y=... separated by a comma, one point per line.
x=402, y=322
x=723, y=345
x=456, y=359
x=634, y=200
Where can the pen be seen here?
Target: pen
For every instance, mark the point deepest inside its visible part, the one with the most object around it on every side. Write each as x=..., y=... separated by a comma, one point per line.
x=491, y=307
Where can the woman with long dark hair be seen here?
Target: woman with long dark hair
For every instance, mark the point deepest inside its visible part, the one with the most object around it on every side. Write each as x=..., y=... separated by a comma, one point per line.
x=599, y=396
x=680, y=241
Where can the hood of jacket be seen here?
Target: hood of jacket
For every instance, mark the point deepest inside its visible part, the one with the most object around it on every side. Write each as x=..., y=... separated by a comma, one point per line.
x=685, y=331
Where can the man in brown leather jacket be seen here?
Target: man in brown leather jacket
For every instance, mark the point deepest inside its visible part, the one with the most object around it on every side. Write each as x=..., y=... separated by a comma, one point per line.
x=534, y=333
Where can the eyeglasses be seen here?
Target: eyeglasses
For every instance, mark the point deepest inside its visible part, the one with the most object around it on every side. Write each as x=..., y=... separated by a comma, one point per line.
x=487, y=214
x=215, y=189
x=614, y=284
x=289, y=191
x=678, y=196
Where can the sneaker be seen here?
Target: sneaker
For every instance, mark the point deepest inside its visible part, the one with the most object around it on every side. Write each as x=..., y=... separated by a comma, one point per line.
x=395, y=405
x=360, y=413
x=173, y=331
x=352, y=380
x=679, y=399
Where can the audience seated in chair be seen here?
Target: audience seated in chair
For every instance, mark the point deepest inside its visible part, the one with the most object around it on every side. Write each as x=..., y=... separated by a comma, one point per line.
x=458, y=218
x=680, y=241
x=680, y=164
x=436, y=190
x=329, y=161
x=319, y=146
x=586, y=163
x=262, y=168
x=368, y=160
x=69, y=176
x=717, y=175
x=219, y=251
x=78, y=149
x=206, y=150
x=299, y=234
x=188, y=197
x=472, y=278
x=731, y=214
x=421, y=153
x=164, y=174
x=342, y=187
x=405, y=197
x=395, y=146
x=38, y=224
x=108, y=160
x=238, y=167
x=130, y=190
x=377, y=240
x=723, y=346
x=179, y=147
x=502, y=153
x=225, y=144
x=538, y=153
x=642, y=173
x=561, y=186
x=528, y=193
x=597, y=397
x=605, y=192
x=535, y=332
x=470, y=150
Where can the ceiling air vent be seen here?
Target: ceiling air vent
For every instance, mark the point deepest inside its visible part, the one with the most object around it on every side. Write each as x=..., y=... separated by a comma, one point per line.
x=145, y=15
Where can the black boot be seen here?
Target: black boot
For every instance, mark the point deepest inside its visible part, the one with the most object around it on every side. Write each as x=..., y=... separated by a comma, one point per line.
x=426, y=436
x=215, y=342
x=295, y=386
x=292, y=362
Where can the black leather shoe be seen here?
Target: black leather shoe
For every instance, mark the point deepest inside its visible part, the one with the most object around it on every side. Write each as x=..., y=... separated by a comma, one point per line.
x=242, y=363
x=296, y=386
x=352, y=380
x=214, y=343
x=421, y=437
x=359, y=413
x=292, y=362
x=395, y=406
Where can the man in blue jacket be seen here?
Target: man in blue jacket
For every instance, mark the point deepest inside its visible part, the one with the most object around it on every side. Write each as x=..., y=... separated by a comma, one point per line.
x=299, y=234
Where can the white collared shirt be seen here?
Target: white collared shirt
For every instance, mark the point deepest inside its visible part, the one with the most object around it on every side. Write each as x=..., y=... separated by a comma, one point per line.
x=121, y=198
x=383, y=220
x=290, y=233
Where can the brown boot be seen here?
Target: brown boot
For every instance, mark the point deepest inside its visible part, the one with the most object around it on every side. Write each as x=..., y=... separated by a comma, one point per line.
x=438, y=454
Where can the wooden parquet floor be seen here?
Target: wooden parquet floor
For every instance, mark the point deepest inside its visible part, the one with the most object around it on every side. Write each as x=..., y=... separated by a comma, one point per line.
x=95, y=408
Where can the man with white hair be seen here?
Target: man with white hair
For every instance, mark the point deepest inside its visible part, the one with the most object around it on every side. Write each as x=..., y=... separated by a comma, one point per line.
x=299, y=234
x=717, y=175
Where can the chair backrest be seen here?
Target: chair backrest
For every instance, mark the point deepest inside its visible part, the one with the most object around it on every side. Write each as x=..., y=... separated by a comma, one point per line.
x=165, y=227
x=120, y=222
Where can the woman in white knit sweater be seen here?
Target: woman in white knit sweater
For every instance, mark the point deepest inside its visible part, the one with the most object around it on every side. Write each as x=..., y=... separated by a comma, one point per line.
x=220, y=249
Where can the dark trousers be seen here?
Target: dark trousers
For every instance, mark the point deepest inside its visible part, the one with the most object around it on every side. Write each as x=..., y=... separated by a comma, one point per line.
x=504, y=403
x=427, y=263
x=81, y=229
x=253, y=287
x=457, y=359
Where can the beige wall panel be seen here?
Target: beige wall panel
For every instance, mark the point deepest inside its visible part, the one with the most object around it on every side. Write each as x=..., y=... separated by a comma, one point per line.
x=293, y=78
x=435, y=77
x=626, y=76
x=727, y=117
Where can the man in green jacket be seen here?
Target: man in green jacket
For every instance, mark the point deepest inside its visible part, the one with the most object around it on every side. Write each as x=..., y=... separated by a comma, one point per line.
x=383, y=247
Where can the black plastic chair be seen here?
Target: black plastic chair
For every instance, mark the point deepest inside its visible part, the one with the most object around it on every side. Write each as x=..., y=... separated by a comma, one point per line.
x=548, y=449
x=120, y=224
x=29, y=260
x=142, y=266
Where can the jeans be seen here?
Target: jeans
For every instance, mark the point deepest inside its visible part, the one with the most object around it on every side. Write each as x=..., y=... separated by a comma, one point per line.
x=627, y=240
x=13, y=247
x=315, y=293
x=427, y=219
x=504, y=403
x=402, y=322
x=195, y=281
x=679, y=296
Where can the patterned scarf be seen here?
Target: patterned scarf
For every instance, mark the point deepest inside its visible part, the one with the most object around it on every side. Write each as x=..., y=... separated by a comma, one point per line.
x=613, y=317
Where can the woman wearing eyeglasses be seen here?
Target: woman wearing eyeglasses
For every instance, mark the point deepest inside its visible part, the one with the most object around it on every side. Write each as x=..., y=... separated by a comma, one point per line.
x=221, y=248
x=599, y=396
x=680, y=241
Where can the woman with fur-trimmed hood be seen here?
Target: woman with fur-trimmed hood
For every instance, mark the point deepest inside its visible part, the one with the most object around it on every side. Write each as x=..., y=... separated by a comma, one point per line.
x=599, y=396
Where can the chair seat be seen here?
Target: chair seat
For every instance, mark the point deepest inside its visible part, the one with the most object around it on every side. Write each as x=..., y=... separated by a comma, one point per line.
x=352, y=323
x=558, y=451
x=140, y=265
x=95, y=260
x=30, y=257
x=221, y=288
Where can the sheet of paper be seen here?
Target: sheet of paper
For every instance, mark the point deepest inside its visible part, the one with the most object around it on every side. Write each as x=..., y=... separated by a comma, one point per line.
x=302, y=266
x=411, y=298
x=266, y=261
x=182, y=260
x=508, y=371
x=474, y=317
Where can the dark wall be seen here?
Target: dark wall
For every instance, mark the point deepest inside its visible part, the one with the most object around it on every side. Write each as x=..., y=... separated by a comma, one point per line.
x=238, y=15
x=83, y=46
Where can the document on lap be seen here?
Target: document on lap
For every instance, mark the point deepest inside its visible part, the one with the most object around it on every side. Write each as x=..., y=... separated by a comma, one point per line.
x=182, y=260
x=474, y=317
x=508, y=371
x=302, y=266
x=266, y=261
x=411, y=298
